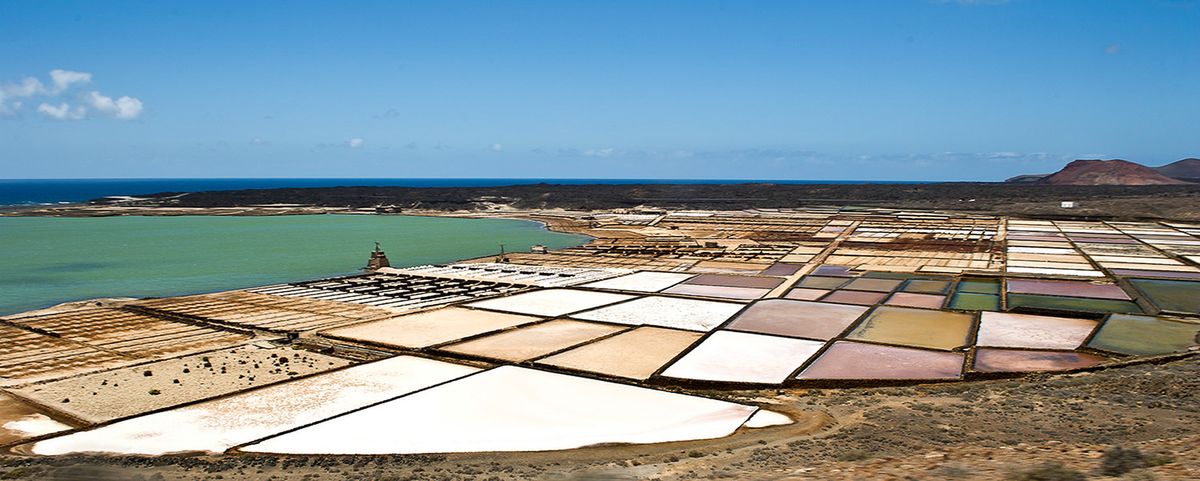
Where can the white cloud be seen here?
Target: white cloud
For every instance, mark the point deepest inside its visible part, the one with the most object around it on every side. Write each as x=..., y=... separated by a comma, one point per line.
x=27, y=87
x=124, y=108
x=63, y=103
x=496, y=147
x=605, y=152
x=355, y=143
x=1112, y=49
x=64, y=79
x=259, y=141
x=62, y=111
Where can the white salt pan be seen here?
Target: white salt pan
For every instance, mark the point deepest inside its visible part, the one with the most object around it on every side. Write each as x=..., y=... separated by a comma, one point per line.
x=551, y=302
x=34, y=425
x=641, y=281
x=743, y=357
x=764, y=418
x=689, y=314
x=512, y=408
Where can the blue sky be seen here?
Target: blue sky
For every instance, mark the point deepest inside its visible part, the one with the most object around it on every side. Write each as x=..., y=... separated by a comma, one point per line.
x=869, y=90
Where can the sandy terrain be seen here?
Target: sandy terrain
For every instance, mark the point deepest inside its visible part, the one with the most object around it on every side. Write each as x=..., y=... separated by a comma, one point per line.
x=137, y=389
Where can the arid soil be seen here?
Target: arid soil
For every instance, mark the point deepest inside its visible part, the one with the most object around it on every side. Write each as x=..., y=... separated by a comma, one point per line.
x=123, y=392
x=1003, y=429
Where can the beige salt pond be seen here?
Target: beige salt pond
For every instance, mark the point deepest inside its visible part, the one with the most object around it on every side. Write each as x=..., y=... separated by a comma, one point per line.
x=915, y=327
x=430, y=328
x=526, y=343
x=634, y=354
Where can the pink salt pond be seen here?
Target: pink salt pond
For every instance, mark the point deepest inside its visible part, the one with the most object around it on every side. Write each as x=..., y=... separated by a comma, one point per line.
x=1014, y=360
x=813, y=320
x=908, y=299
x=999, y=329
x=858, y=360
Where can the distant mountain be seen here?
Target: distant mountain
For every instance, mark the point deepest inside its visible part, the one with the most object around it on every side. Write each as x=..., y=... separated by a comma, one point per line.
x=1186, y=169
x=1026, y=178
x=1107, y=172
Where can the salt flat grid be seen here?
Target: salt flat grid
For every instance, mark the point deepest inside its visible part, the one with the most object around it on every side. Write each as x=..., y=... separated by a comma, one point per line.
x=693, y=299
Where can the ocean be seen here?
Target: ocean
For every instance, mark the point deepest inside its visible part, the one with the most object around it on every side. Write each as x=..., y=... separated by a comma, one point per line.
x=53, y=191
x=45, y=261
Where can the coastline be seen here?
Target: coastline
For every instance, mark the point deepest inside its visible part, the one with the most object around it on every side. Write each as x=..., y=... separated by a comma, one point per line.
x=1176, y=202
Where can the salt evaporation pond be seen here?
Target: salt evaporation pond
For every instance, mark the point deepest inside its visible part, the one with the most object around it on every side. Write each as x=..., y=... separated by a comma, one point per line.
x=512, y=408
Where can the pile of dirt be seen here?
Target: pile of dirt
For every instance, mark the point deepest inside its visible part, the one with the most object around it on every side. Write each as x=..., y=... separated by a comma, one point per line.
x=1107, y=172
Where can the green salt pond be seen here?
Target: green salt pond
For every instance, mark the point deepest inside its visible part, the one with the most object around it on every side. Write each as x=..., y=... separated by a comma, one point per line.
x=1170, y=296
x=979, y=286
x=1070, y=304
x=1144, y=335
x=926, y=286
x=969, y=301
x=48, y=260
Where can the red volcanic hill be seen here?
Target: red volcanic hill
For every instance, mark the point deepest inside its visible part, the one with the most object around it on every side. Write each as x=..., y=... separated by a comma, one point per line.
x=1181, y=169
x=1107, y=172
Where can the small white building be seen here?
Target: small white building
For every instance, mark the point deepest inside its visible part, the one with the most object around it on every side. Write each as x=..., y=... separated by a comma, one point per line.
x=1068, y=204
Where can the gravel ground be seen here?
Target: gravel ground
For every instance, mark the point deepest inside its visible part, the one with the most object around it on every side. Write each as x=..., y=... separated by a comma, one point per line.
x=133, y=390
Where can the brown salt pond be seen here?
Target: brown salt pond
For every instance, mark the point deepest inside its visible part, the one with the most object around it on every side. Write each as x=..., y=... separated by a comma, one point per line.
x=915, y=327
x=634, y=354
x=813, y=320
x=430, y=328
x=849, y=360
x=1018, y=360
x=526, y=343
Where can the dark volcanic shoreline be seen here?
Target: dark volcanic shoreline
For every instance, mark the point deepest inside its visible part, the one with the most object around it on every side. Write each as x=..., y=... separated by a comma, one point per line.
x=1152, y=201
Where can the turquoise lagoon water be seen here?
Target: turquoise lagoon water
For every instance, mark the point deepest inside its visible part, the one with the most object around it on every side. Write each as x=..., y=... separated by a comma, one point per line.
x=45, y=261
